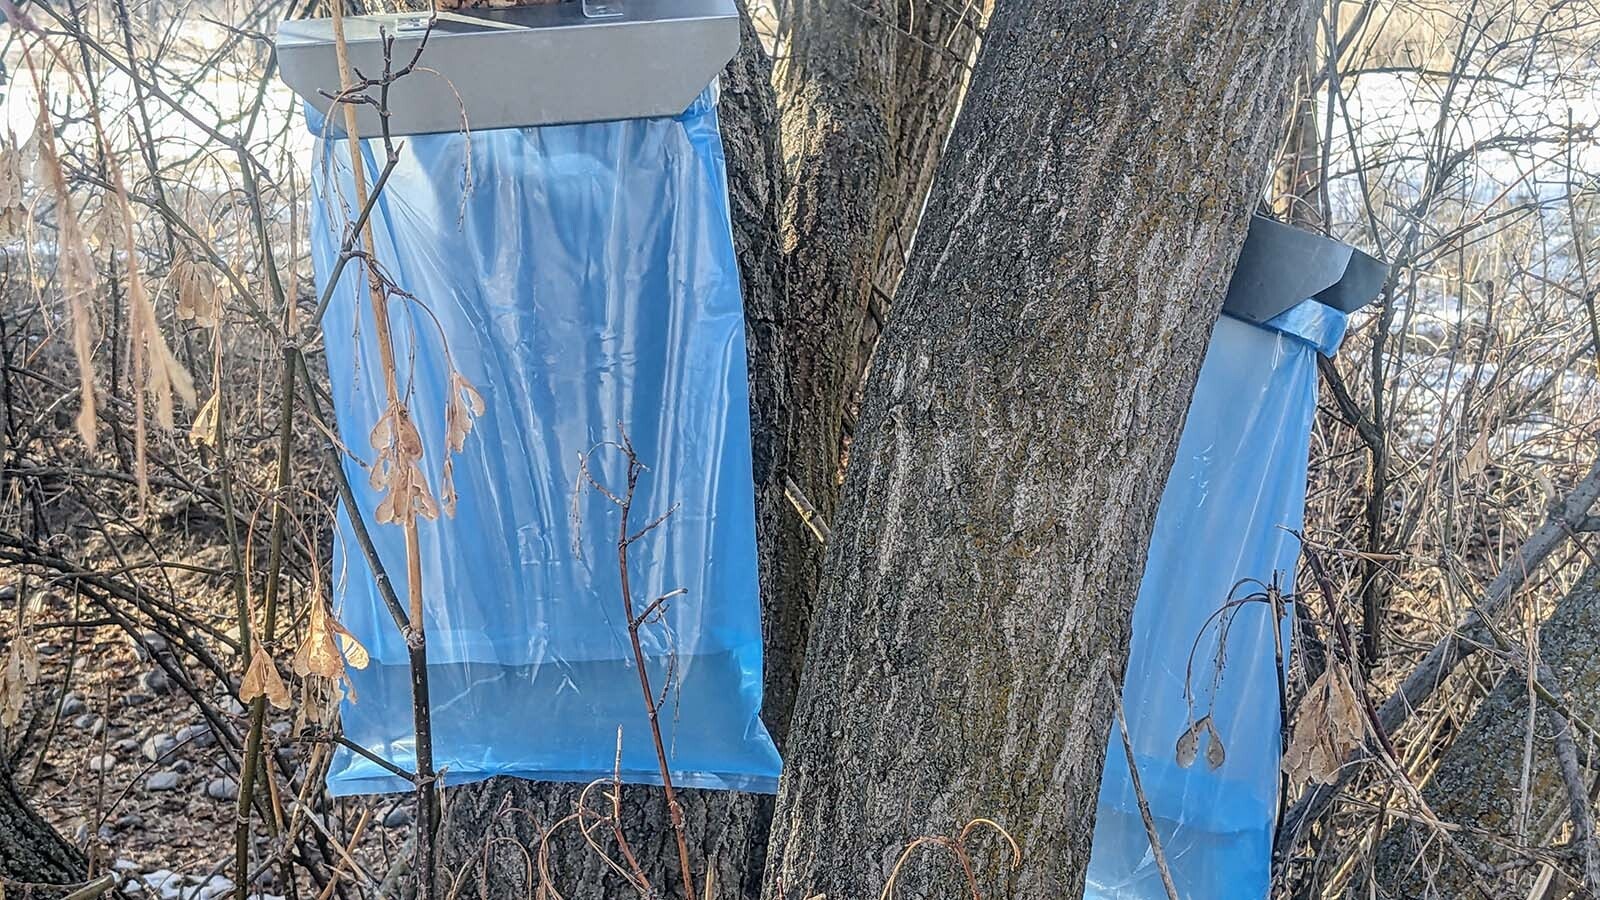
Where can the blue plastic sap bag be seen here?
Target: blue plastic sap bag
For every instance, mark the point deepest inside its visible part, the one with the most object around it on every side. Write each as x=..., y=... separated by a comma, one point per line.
x=585, y=280
x=1236, y=491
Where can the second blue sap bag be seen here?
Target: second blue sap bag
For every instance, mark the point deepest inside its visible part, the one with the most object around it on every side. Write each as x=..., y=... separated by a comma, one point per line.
x=582, y=279
x=1225, y=529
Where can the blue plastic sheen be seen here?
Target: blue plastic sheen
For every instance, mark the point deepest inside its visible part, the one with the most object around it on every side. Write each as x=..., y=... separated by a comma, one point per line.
x=587, y=279
x=1223, y=531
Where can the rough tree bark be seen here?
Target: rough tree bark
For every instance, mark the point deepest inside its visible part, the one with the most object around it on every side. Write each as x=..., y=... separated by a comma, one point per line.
x=31, y=852
x=835, y=87
x=1479, y=780
x=1018, y=424
x=930, y=73
x=489, y=827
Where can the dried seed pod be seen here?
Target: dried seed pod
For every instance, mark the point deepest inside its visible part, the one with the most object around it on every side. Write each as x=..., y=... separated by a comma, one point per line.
x=1216, y=754
x=1188, y=747
x=397, y=472
x=194, y=284
x=261, y=679
x=464, y=405
x=206, y=429
x=20, y=671
x=13, y=208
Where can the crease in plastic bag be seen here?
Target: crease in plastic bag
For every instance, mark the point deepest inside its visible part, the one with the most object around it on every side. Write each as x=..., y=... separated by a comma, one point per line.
x=1236, y=491
x=588, y=279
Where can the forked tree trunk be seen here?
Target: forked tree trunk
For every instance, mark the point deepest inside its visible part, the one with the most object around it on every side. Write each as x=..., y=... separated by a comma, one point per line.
x=930, y=75
x=31, y=852
x=1478, y=784
x=1019, y=421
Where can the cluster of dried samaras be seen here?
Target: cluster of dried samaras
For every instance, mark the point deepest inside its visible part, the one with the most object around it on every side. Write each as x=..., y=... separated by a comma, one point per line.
x=319, y=661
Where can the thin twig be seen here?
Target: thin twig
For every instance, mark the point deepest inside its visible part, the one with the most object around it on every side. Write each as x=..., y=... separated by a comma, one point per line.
x=625, y=539
x=808, y=513
x=416, y=634
x=1144, y=802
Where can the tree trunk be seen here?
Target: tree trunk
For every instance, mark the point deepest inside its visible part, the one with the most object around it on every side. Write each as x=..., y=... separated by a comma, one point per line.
x=835, y=88
x=1018, y=424
x=31, y=852
x=492, y=831
x=930, y=67
x=1478, y=783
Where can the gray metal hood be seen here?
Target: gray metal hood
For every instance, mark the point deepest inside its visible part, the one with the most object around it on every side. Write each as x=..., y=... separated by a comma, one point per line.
x=530, y=65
